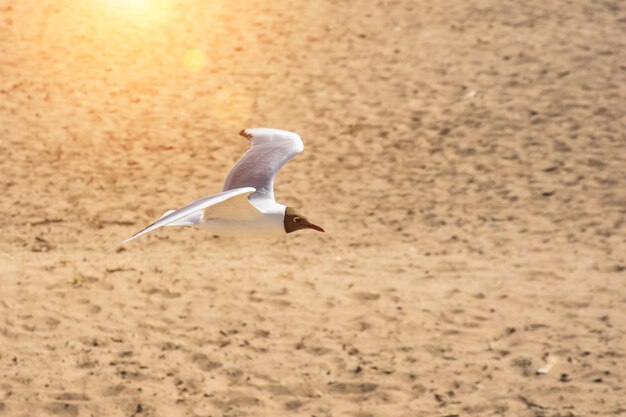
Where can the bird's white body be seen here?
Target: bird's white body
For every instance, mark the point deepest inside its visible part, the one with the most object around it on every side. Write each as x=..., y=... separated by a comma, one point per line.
x=267, y=225
x=246, y=205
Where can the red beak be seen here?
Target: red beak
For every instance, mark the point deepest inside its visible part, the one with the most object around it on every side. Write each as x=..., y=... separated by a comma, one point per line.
x=316, y=227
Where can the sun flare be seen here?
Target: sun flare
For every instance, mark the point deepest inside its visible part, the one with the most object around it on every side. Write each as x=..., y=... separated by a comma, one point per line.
x=194, y=60
x=139, y=11
x=131, y=7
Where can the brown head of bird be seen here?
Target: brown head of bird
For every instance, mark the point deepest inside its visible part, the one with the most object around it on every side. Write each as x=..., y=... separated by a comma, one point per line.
x=294, y=221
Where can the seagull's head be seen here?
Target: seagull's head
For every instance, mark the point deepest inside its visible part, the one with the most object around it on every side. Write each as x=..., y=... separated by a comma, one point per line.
x=295, y=221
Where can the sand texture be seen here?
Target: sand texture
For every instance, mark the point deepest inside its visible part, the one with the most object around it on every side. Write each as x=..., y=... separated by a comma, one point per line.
x=467, y=159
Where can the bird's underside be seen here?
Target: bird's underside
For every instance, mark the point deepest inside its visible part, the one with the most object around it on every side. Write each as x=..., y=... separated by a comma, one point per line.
x=246, y=205
x=238, y=217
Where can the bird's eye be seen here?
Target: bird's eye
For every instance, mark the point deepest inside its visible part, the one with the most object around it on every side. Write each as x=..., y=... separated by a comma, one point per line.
x=297, y=219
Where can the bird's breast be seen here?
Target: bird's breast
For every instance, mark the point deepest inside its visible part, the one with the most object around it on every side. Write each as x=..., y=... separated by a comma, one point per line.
x=265, y=225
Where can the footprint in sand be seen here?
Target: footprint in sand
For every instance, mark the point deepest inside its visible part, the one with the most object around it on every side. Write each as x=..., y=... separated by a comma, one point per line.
x=204, y=362
x=62, y=409
x=234, y=399
x=293, y=405
x=114, y=390
x=352, y=388
x=72, y=396
x=365, y=296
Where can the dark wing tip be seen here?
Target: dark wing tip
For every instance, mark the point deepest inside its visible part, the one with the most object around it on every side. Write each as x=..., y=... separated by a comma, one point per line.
x=245, y=134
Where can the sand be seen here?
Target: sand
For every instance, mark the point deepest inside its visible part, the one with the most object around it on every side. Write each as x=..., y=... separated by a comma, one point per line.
x=467, y=159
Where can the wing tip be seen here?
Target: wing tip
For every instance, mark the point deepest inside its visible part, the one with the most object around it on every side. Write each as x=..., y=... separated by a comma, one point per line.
x=245, y=134
x=135, y=236
x=125, y=241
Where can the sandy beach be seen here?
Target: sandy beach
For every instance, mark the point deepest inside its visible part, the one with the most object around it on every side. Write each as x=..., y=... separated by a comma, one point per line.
x=467, y=160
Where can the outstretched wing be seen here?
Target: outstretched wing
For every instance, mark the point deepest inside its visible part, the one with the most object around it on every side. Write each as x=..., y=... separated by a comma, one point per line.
x=192, y=208
x=271, y=149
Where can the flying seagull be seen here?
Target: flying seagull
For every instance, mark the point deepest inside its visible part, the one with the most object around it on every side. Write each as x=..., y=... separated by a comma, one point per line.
x=246, y=205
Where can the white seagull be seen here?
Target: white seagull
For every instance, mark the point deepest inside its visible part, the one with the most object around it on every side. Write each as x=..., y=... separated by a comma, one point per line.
x=246, y=205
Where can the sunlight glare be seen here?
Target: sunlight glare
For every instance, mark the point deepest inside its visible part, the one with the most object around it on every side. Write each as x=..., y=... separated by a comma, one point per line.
x=139, y=11
x=194, y=60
